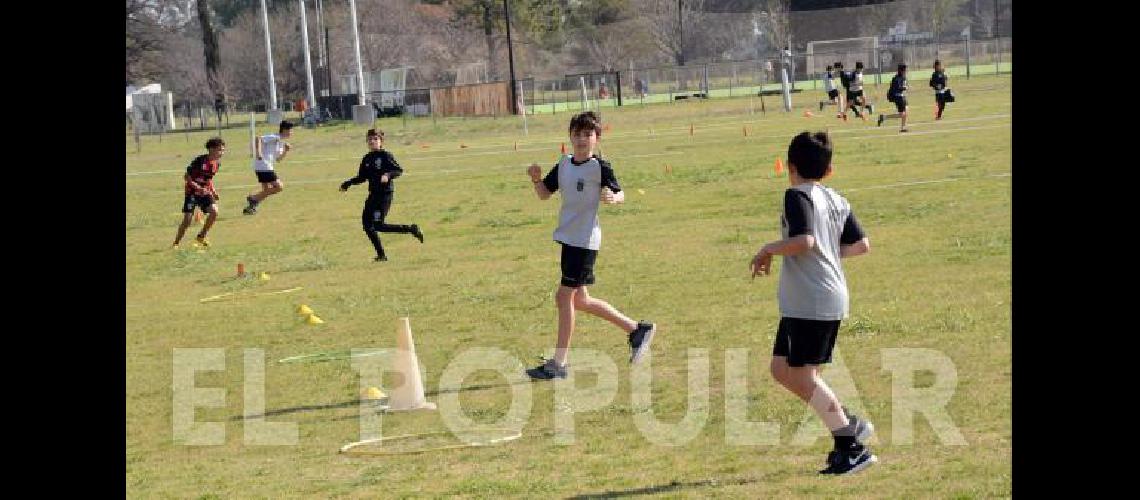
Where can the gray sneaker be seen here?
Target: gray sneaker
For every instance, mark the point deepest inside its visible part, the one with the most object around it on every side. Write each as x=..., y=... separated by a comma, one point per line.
x=639, y=340
x=856, y=426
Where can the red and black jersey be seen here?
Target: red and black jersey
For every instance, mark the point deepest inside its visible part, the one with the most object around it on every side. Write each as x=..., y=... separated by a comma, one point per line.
x=202, y=171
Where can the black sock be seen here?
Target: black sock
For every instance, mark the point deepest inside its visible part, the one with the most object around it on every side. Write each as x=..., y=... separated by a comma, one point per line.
x=843, y=442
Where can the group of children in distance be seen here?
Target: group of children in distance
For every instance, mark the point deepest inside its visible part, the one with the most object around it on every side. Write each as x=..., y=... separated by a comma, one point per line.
x=852, y=83
x=818, y=228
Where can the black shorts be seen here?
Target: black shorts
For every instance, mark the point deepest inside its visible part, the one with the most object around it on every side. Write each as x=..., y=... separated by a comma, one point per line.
x=943, y=97
x=577, y=266
x=900, y=103
x=265, y=176
x=833, y=94
x=193, y=200
x=852, y=95
x=805, y=341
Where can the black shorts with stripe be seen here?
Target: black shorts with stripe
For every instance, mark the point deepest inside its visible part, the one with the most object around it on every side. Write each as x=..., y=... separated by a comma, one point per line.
x=805, y=341
x=265, y=176
x=577, y=266
x=203, y=202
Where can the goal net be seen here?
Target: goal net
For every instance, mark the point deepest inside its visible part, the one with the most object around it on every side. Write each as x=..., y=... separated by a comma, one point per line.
x=821, y=53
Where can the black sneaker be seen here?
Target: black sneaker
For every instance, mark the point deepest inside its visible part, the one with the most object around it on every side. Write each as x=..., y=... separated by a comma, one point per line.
x=639, y=340
x=547, y=370
x=881, y=118
x=821, y=105
x=870, y=109
x=417, y=233
x=381, y=258
x=251, y=208
x=849, y=461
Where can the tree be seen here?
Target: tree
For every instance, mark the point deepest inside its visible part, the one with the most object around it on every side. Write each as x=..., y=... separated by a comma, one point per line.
x=144, y=41
x=210, y=48
x=665, y=21
x=776, y=24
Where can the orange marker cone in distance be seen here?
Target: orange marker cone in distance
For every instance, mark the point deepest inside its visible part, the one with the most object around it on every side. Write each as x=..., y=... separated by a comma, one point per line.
x=241, y=269
x=779, y=167
x=564, y=148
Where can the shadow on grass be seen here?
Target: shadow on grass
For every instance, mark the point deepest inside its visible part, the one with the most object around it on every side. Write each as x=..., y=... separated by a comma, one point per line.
x=664, y=488
x=354, y=403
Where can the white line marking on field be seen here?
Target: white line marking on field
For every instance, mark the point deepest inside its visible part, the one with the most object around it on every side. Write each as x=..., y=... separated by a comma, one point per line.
x=915, y=183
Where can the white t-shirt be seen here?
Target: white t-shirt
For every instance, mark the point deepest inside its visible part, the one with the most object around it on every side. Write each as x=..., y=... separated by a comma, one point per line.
x=581, y=187
x=828, y=82
x=271, y=147
x=856, y=81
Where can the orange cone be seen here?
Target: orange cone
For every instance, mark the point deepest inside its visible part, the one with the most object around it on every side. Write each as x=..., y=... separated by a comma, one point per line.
x=808, y=114
x=564, y=148
x=197, y=217
x=241, y=269
x=779, y=167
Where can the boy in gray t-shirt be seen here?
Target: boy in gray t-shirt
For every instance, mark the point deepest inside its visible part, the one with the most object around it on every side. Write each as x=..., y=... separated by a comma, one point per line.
x=584, y=180
x=818, y=229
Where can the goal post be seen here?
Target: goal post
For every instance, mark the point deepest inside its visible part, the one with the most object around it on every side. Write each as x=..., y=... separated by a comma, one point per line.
x=821, y=53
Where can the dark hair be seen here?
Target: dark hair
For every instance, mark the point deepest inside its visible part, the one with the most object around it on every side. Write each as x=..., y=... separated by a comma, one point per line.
x=374, y=133
x=586, y=120
x=215, y=142
x=285, y=125
x=828, y=67
x=839, y=65
x=902, y=67
x=810, y=153
x=858, y=64
x=937, y=62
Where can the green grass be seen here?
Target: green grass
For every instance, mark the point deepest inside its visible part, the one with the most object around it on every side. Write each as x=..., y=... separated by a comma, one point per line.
x=938, y=277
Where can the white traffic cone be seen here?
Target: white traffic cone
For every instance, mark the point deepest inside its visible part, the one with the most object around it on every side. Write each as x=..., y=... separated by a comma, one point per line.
x=409, y=395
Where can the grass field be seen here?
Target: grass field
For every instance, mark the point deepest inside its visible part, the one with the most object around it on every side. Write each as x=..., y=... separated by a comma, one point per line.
x=936, y=204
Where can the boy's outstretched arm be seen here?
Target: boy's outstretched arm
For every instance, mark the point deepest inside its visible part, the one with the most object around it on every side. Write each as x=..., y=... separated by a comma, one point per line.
x=361, y=176
x=535, y=173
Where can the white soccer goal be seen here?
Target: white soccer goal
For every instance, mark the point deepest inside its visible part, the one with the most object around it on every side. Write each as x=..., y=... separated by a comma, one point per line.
x=821, y=53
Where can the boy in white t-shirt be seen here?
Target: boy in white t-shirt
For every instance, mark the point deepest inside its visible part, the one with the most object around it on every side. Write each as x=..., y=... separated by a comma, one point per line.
x=269, y=149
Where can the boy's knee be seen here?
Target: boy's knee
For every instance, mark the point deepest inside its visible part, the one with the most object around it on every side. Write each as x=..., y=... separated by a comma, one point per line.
x=581, y=301
x=565, y=295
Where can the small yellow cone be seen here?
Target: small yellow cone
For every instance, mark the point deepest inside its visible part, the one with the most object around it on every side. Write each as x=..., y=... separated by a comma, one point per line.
x=312, y=319
x=642, y=191
x=949, y=155
x=264, y=276
x=372, y=393
x=304, y=309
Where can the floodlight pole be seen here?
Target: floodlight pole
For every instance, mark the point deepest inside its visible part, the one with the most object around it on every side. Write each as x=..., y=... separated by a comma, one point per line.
x=269, y=57
x=511, y=58
x=356, y=48
x=308, y=62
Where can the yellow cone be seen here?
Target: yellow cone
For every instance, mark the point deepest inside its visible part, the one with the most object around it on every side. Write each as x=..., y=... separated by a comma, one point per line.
x=642, y=191
x=304, y=309
x=372, y=393
x=312, y=319
x=264, y=276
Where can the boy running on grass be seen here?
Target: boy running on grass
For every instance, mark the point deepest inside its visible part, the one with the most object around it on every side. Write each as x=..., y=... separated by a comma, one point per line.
x=584, y=179
x=379, y=168
x=200, y=190
x=270, y=149
x=818, y=229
